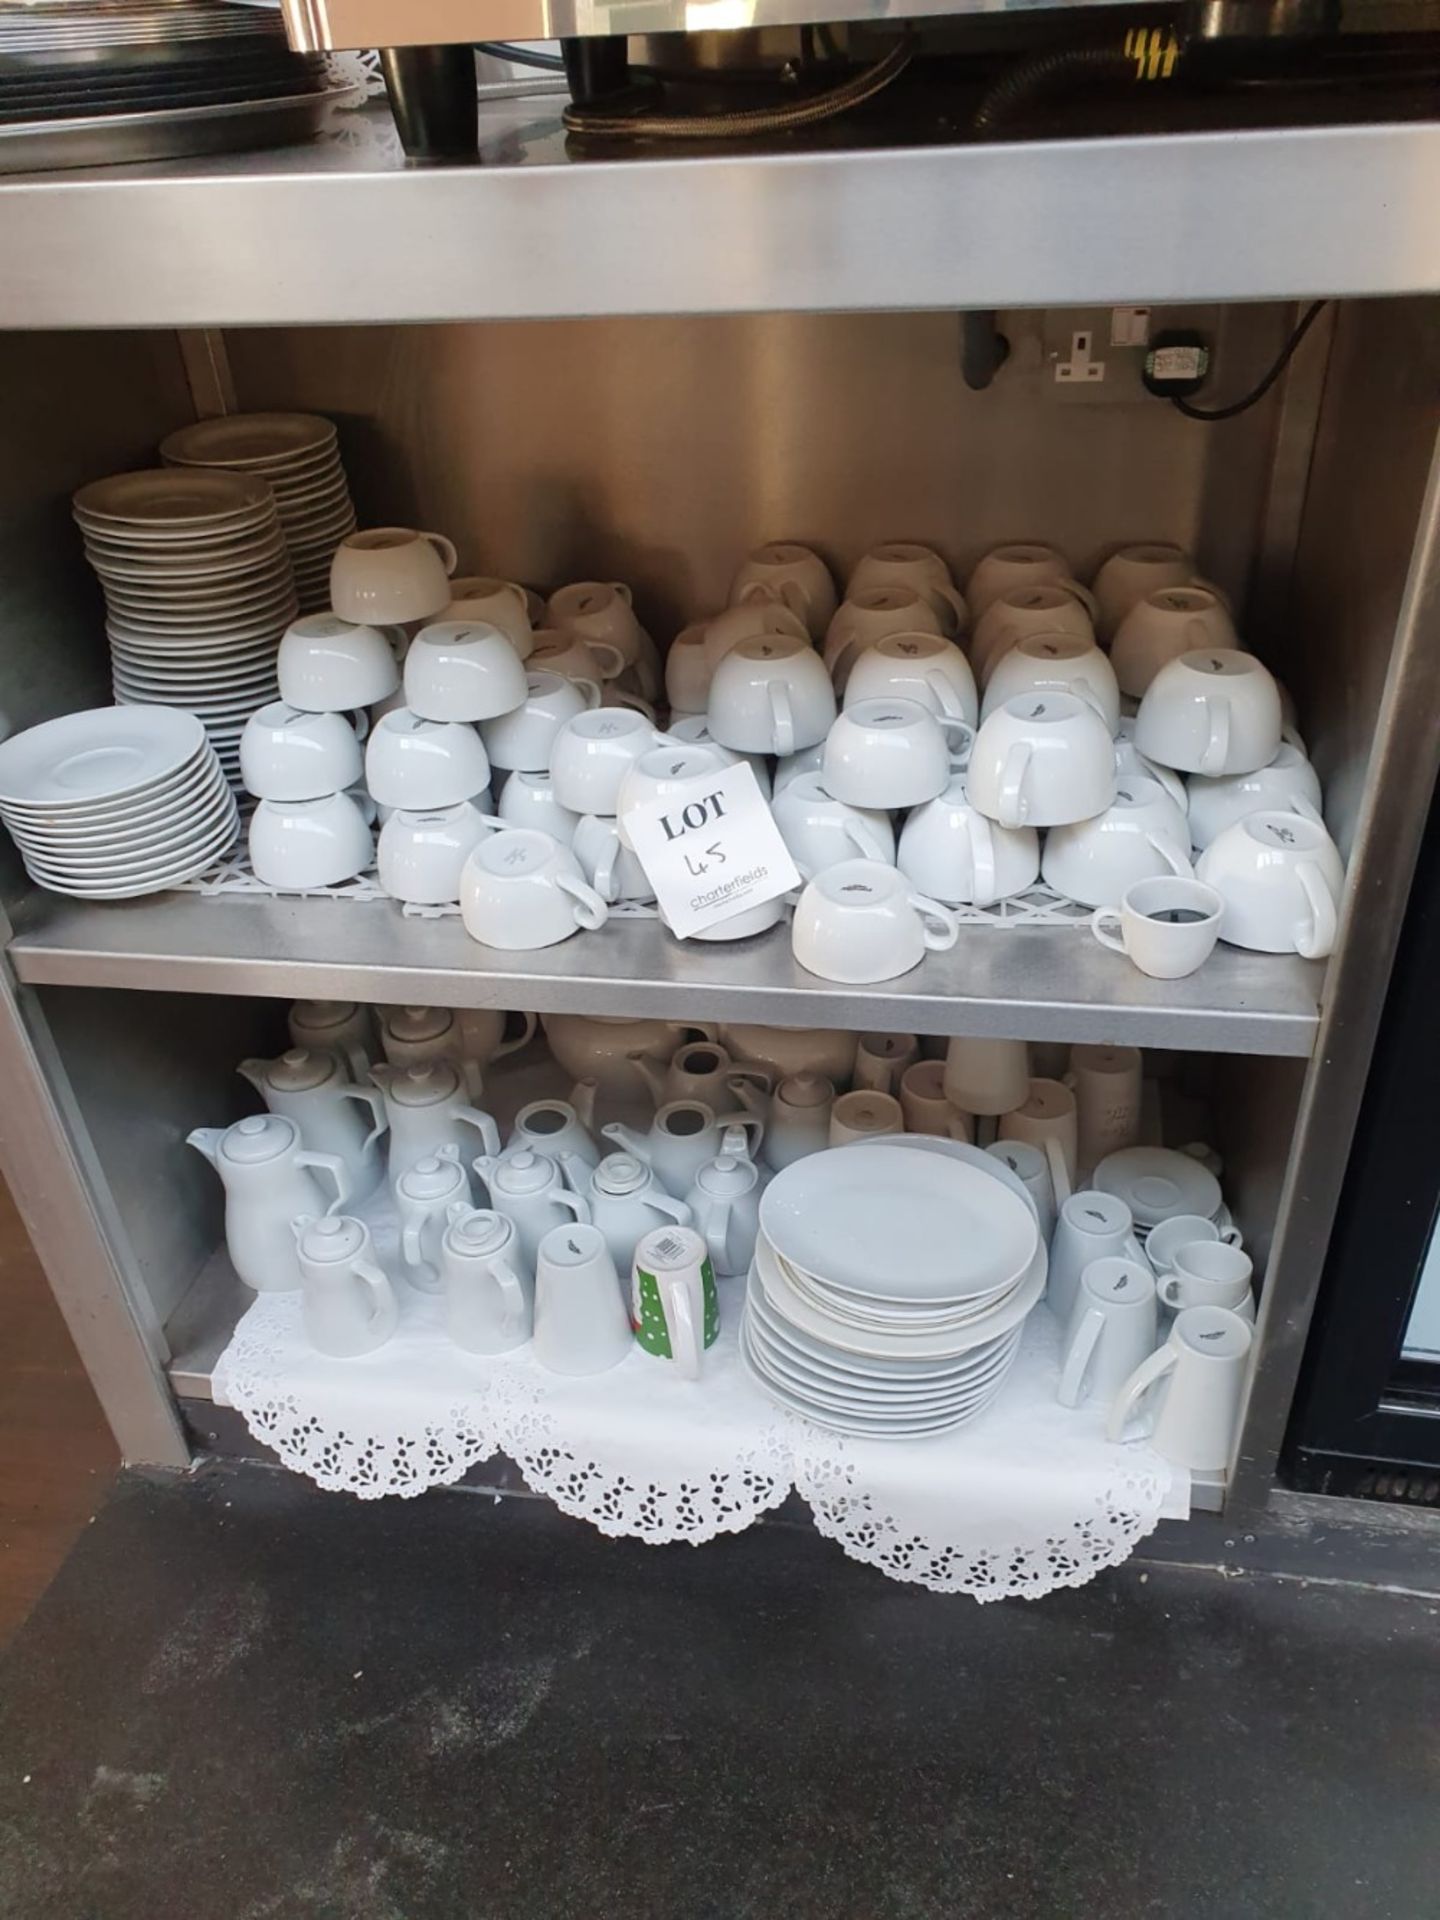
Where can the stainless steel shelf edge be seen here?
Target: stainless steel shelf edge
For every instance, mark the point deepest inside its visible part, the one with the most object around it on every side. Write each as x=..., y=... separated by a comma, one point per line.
x=348, y=234
x=1032, y=983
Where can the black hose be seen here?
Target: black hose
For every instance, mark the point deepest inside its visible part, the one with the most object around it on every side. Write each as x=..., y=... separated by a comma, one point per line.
x=1044, y=73
x=521, y=56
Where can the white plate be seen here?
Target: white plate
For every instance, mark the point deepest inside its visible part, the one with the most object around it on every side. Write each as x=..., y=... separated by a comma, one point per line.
x=171, y=581
x=824, y=1405
x=167, y=496
x=173, y=689
x=125, y=837
x=137, y=861
x=251, y=440
x=104, y=815
x=203, y=856
x=962, y=1151
x=102, y=753
x=869, y=1390
x=180, y=537
x=1156, y=1182
x=858, y=1369
x=189, y=600
x=898, y=1429
x=916, y=1228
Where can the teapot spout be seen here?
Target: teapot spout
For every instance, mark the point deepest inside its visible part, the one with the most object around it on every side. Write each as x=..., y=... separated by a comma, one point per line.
x=637, y=1143
x=582, y=1099
x=207, y=1140
x=254, y=1072
x=652, y=1074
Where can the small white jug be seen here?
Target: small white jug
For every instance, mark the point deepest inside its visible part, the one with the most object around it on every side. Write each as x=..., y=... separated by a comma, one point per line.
x=310, y=1088
x=267, y=1179
x=725, y=1202
x=340, y=1027
x=626, y=1202
x=427, y=1109
x=349, y=1306
x=529, y=1189
x=424, y=1194
x=489, y=1291
x=418, y=1036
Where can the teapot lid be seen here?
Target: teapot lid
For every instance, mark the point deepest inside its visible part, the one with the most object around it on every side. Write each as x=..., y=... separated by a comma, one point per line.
x=524, y=1172
x=264, y=1136
x=620, y=1173
x=806, y=1090
x=335, y=1237
x=480, y=1231
x=299, y=1070
x=419, y=1023
x=727, y=1176
x=430, y=1179
x=424, y=1086
x=322, y=1013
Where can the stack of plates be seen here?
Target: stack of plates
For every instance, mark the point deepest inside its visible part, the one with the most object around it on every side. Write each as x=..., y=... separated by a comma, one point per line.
x=198, y=591
x=299, y=454
x=116, y=802
x=1158, y=1182
x=889, y=1289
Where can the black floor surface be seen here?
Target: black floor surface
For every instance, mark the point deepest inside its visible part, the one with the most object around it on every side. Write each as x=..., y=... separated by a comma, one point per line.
x=246, y=1699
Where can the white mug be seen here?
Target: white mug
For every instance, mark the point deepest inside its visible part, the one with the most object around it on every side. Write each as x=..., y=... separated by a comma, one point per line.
x=330, y=665
x=1055, y=663
x=819, y=830
x=952, y=852
x=687, y=671
x=1132, y=572
x=287, y=754
x=298, y=844
x=1209, y=1273
x=656, y=776
x=1041, y=761
x=520, y=890
x=420, y=855
x=528, y=800
x=859, y=922
x=461, y=670
x=674, y=1308
x=1184, y=1230
x=611, y=868
x=759, y=613
x=1280, y=876
x=1141, y=835
x=1162, y=626
x=1200, y=1376
x=1046, y=608
x=916, y=666
x=771, y=694
x=521, y=739
x=1021, y=563
x=391, y=574
x=1108, y=1087
x=861, y=1116
x=498, y=603
x=423, y=764
x=925, y=1106
x=1038, y=1170
x=602, y=610
x=1287, y=784
x=881, y=1059
x=581, y=1326
x=905, y=563
x=1166, y=927
x=1213, y=711
x=892, y=753
x=1047, y=1115
x=988, y=1077
x=798, y=577
x=869, y=615
x=593, y=751
x=1091, y=1226
x=693, y=730
x=1112, y=1328
x=488, y=1287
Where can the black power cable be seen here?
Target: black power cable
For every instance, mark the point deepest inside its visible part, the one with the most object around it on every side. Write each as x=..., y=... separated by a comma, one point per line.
x=1287, y=353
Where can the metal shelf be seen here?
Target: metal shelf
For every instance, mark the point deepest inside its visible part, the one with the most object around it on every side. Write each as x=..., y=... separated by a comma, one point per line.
x=341, y=230
x=1041, y=983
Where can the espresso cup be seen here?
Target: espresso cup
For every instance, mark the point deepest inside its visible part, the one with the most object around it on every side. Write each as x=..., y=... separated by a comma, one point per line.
x=1055, y=663
x=521, y=890
x=1214, y=711
x=1287, y=784
x=423, y=764
x=916, y=666
x=892, y=753
x=1166, y=927
x=591, y=754
x=949, y=850
x=391, y=574
x=820, y=830
x=330, y=665
x=870, y=615
x=794, y=575
x=612, y=869
x=1042, y=760
x=1162, y=626
x=1280, y=877
x=1132, y=572
x=1015, y=615
x=286, y=754
x=494, y=603
x=420, y=856
x=864, y=1116
x=771, y=694
x=521, y=739
x=1021, y=563
x=1197, y=1379
x=1141, y=835
x=458, y=670
x=1111, y=1330
x=761, y=612
x=297, y=844
x=1208, y=1273
x=1184, y=1230
x=687, y=671
x=528, y=800
x=905, y=563
x=575, y=659
x=860, y=922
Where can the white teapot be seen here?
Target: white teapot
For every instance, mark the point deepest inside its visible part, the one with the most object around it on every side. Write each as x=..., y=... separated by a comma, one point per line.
x=604, y=1047
x=725, y=1204
x=267, y=1179
x=560, y=1128
x=427, y=1110
x=349, y=1307
x=529, y=1189
x=704, y=1070
x=790, y=1050
x=626, y=1201
x=418, y=1036
x=684, y=1135
x=424, y=1194
x=489, y=1292
x=310, y=1088
x=341, y=1027
x=482, y=1033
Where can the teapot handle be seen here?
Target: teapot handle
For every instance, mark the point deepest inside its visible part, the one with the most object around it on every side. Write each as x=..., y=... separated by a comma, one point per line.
x=332, y=1164
x=752, y=1122
x=369, y=1097
x=522, y=1039
x=378, y=1284
x=576, y=1202
x=714, y=1224
x=512, y=1296
x=575, y=1170
x=489, y=1132
x=582, y=1099
x=676, y=1210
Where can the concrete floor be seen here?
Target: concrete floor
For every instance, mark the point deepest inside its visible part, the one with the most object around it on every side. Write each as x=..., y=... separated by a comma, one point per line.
x=244, y=1698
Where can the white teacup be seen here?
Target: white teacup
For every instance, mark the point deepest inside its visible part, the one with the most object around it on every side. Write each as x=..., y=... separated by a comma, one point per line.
x=693, y=730
x=1288, y=783
x=761, y=612
x=1015, y=615
x=1041, y=761
x=494, y=603
x=771, y=694
x=905, y=563
x=1132, y=572
x=687, y=671
x=591, y=754
x=1162, y=626
x=1215, y=711
x=1184, y=1230
x=794, y=764
x=1280, y=876
x=1055, y=663
x=521, y=739
x=330, y=665
x=415, y=763
x=861, y=921
x=869, y=615
x=1209, y=1273
x=520, y=890
x=390, y=574
x=892, y=753
x=528, y=800
x=458, y=670
x=952, y=852
x=1166, y=927
x=1141, y=835
x=659, y=774
x=599, y=610
x=297, y=844
x=556, y=651
x=420, y=855
x=1021, y=563
x=820, y=830
x=613, y=870
x=1130, y=760
x=799, y=578
x=864, y=1115
x=916, y=666
x=286, y=754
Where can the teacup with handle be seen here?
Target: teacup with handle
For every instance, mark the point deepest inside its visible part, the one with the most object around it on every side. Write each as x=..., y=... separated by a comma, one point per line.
x=1280, y=877
x=906, y=563
x=1042, y=760
x=820, y=830
x=391, y=574
x=949, y=850
x=916, y=666
x=892, y=753
x=1213, y=711
x=1287, y=783
x=1184, y=1230
x=871, y=614
x=1164, y=625
x=1132, y=572
x=771, y=694
x=1141, y=835
x=798, y=577
x=1021, y=563
x=1055, y=663
x=1209, y=1273
x=1047, y=608
x=499, y=603
x=859, y=922
x=1167, y=927
x=604, y=610
x=556, y=651
x=521, y=739
x=520, y=890
x=761, y=612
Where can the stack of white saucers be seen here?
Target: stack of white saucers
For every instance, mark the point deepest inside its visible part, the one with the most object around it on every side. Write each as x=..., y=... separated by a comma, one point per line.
x=299, y=454
x=198, y=591
x=889, y=1290
x=116, y=801
x=1156, y=1183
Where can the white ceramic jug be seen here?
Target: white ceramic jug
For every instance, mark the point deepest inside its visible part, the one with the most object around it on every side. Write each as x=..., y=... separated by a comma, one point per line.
x=267, y=1177
x=799, y=1119
x=417, y=1036
x=489, y=1291
x=684, y=1135
x=725, y=1202
x=349, y=1306
x=604, y=1048
x=424, y=1194
x=626, y=1202
x=340, y=1027
x=311, y=1088
x=560, y=1128
x=529, y=1189
x=790, y=1050
x=427, y=1110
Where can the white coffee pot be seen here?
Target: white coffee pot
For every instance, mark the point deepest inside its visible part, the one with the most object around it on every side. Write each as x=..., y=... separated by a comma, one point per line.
x=427, y=1109
x=563, y=1129
x=311, y=1089
x=799, y=1118
x=604, y=1048
x=788, y=1050
x=725, y=1203
x=348, y=1305
x=530, y=1190
x=424, y=1194
x=416, y=1036
x=489, y=1291
x=626, y=1202
x=683, y=1136
x=267, y=1177
x=341, y=1027
x=704, y=1070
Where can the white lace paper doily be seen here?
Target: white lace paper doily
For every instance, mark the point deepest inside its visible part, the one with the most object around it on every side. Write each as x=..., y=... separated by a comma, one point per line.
x=1027, y=1498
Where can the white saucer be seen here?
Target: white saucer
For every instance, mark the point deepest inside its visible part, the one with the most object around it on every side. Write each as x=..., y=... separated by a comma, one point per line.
x=102, y=753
